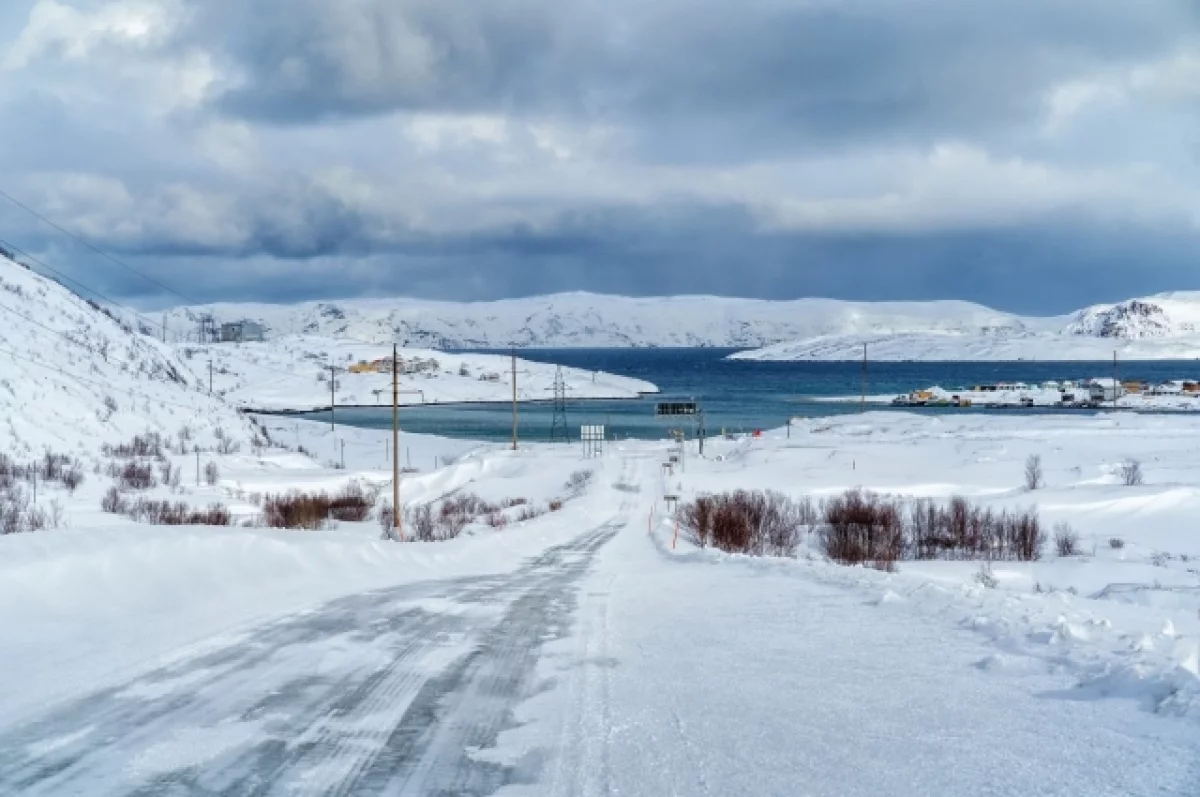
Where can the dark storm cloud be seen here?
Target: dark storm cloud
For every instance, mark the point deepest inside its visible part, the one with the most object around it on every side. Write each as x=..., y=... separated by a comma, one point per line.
x=300, y=149
x=697, y=77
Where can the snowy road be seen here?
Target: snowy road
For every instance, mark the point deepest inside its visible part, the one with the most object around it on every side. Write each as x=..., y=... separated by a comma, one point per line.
x=383, y=693
x=607, y=665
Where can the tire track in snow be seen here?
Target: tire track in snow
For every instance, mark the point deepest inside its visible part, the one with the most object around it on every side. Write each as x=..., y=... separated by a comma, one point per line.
x=254, y=718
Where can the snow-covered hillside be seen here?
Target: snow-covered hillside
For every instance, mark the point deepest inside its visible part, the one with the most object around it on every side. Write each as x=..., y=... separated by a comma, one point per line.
x=582, y=319
x=293, y=373
x=1163, y=327
x=72, y=378
x=941, y=346
x=1157, y=327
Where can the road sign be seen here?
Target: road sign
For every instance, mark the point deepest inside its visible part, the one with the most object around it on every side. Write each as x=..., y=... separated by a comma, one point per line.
x=675, y=408
x=593, y=440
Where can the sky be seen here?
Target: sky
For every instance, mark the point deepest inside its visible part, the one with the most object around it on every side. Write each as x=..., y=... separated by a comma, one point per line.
x=1033, y=155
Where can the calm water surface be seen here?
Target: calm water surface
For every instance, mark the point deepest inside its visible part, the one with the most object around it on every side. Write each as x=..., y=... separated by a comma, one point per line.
x=736, y=395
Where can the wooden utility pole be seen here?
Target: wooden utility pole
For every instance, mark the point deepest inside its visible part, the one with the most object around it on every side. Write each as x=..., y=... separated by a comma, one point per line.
x=332, y=398
x=862, y=407
x=164, y=327
x=396, y=444
x=514, y=381
x=210, y=372
x=1115, y=382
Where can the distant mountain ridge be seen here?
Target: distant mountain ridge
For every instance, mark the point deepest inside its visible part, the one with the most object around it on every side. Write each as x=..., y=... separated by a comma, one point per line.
x=583, y=319
x=1153, y=327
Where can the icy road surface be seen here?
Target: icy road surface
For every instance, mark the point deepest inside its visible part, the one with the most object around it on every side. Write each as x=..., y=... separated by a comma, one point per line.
x=383, y=693
x=607, y=665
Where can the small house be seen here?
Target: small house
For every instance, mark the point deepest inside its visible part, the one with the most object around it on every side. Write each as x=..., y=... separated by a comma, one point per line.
x=1105, y=390
x=243, y=332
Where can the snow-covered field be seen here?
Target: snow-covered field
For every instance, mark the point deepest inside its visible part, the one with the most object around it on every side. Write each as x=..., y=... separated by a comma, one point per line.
x=292, y=373
x=630, y=665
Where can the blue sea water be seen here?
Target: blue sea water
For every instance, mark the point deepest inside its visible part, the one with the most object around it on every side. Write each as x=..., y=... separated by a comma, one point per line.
x=737, y=395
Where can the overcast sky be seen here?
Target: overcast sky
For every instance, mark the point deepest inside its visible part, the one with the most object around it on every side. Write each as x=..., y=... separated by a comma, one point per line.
x=1034, y=155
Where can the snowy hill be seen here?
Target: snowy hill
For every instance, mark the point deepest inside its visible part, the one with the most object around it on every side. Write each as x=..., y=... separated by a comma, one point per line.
x=1166, y=326
x=1163, y=327
x=72, y=378
x=582, y=319
x=292, y=373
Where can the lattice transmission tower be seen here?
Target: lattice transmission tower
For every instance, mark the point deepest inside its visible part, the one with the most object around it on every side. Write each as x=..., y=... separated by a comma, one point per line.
x=558, y=428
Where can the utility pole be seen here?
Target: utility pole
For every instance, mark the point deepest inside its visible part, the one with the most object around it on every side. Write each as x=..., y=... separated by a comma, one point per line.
x=343, y=442
x=514, y=381
x=332, y=398
x=862, y=407
x=396, y=443
x=1115, y=382
x=197, y=465
x=164, y=327
x=210, y=372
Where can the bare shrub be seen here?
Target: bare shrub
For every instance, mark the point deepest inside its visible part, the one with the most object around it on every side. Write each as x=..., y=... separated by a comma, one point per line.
x=508, y=503
x=555, y=505
x=166, y=513
x=1116, y=543
x=697, y=518
x=350, y=505
x=1066, y=541
x=864, y=528
x=72, y=478
x=1033, y=472
x=579, y=481
x=985, y=577
x=421, y=523
x=136, y=476
x=496, y=520
x=529, y=513
x=1131, y=473
x=225, y=443
x=297, y=510
x=149, y=444
x=212, y=474
x=386, y=520
x=114, y=502
x=748, y=522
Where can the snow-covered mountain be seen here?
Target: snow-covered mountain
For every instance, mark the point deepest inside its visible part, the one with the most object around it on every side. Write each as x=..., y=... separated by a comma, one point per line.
x=1165, y=326
x=582, y=319
x=72, y=377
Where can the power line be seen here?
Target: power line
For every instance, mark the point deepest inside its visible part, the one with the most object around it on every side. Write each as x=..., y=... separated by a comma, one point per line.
x=92, y=247
x=93, y=382
x=18, y=250
x=66, y=337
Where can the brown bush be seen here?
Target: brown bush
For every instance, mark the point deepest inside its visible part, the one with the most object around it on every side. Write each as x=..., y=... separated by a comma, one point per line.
x=351, y=505
x=136, y=476
x=555, y=505
x=748, y=522
x=865, y=528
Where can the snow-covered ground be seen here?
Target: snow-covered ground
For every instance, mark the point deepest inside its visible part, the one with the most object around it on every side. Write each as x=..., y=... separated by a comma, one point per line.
x=582, y=652
x=292, y=373
x=72, y=378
